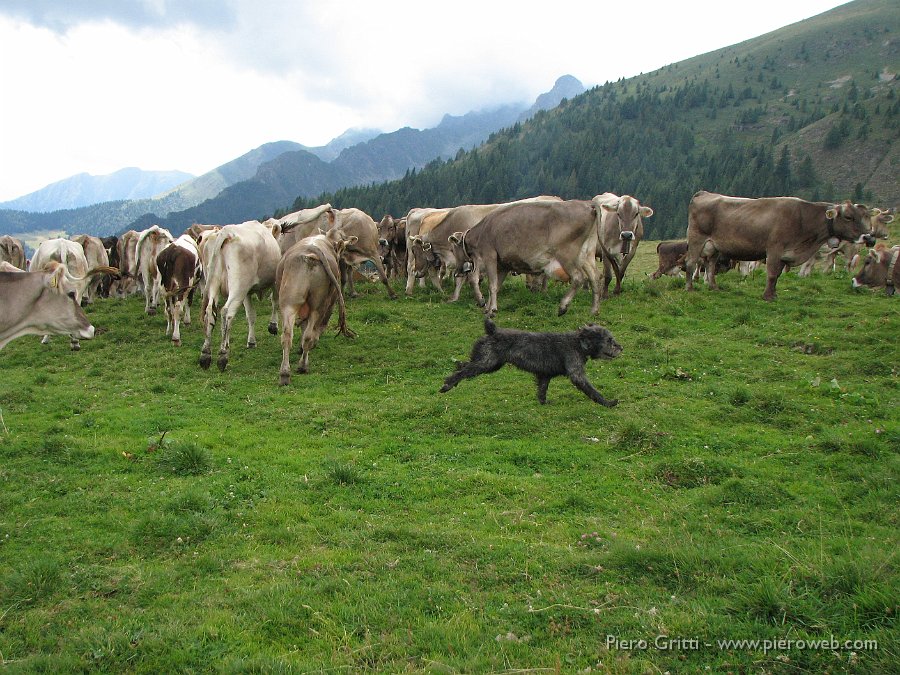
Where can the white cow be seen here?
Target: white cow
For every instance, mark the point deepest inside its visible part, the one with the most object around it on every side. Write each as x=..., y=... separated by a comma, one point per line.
x=150, y=244
x=238, y=260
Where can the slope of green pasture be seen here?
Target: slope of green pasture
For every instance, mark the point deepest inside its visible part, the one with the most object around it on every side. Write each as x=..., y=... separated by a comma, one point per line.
x=744, y=488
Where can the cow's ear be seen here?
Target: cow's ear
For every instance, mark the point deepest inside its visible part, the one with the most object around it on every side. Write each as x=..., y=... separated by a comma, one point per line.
x=56, y=278
x=646, y=212
x=609, y=207
x=831, y=214
x=874, y=213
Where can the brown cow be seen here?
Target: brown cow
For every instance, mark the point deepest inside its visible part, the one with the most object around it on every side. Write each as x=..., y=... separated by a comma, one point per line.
x=40, y=303
x=12, y=251
x=879, y=269
x=392, y=245
x=127, y=251
x=293, y=227
x=557, y=238
x=671, y=256
x=307, y=285
x=179, y=270
x=621, y=230
x=784, y=230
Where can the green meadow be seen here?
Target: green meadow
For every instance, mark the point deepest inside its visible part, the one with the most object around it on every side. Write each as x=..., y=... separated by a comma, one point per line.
x=158, y=518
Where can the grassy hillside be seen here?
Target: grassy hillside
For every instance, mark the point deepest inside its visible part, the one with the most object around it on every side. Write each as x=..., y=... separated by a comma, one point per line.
x=810, y=110
x=744, y=488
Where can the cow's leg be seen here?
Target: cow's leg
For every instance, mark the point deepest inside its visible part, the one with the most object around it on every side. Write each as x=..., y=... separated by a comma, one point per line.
x=209, y=321
x=310, y=339
x=288, y=316
x=410, y=275
x=74, y=344
x=250, y=311
x=774, y=267
x=273, y=318
x=543, y=381
x=626, y=261
x=576, y=278
x=45, y=340
x=691, y=261
x=347, y=279
x=475, y=280
x=177, y=312
x=712, y=265
x=459, y=284
x=170, y=316
x=435, y=277
x=379, y=267
x=593, y=275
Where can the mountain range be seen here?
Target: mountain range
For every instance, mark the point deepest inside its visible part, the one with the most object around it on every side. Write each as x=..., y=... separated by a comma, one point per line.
x=266, y=178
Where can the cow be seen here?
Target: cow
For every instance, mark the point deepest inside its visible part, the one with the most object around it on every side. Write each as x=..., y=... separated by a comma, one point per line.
x=150, y=244
x=392, y=245
x=293, y=227
x=179, y=271
x=419, y=221
x=355, y=223
x=437, y=248
x=671, y=258
x=128, y=271
x=238, y=260
x=111, y=245
x=621, y=230
x=40, y=303
x=12, y=251
x=70, y=254
x=307, y=283
x=784, y=230
x=830, y=250
x=880, y=269
x=96, y=256
x=197, y=229
x=558, y=238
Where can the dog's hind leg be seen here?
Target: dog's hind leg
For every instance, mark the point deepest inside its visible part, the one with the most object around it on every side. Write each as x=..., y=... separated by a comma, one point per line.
x=543, y=381
x=579, y=379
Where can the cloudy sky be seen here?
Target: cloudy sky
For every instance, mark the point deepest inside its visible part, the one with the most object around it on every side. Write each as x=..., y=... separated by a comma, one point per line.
x=98, y=85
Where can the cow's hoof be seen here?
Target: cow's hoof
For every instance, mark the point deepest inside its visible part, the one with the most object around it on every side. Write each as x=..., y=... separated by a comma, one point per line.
x=205, y=361
x=273, y=328
x=561, y=311
x=285, y=379
x=303, y=370
x=151, y=311
x=176, y=343
x=76, y=347
x=251, y=345
x=392, y=296
x=222, y=362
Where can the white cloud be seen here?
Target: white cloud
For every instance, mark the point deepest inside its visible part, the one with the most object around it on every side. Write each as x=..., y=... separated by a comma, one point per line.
x=189, y=85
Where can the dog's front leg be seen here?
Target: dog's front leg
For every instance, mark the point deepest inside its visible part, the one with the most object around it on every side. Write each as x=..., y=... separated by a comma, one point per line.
x=543, y=381
x=579, y=379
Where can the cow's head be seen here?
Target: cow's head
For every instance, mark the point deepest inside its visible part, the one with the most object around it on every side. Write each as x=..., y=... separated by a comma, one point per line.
x=423, y=256
x=623, y=222
x=63, y=313
x=878, y=269
x=880, y=221
x=462, y=262
x=852, y=222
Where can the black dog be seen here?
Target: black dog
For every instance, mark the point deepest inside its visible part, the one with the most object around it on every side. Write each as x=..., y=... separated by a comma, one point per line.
x=544, y=354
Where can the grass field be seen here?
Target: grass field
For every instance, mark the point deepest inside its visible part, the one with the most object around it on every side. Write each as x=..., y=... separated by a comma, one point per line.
x=158, y=518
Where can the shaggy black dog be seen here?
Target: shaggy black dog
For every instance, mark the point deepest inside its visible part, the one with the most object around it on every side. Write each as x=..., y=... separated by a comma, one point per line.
x=544, y=354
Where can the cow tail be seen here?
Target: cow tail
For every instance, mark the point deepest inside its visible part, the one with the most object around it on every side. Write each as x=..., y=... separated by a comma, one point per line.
x=489, y=327
x=343, y=328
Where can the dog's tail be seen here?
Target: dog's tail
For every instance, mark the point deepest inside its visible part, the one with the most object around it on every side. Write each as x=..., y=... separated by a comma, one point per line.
x=489, y=327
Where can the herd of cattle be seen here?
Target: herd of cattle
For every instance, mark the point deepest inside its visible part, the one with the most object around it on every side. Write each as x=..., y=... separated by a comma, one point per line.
x=306, y=260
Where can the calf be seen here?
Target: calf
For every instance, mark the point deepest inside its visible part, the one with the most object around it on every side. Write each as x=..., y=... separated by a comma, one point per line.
x=545, y=355
x=307, y=285
x=671, y=258
x=179, y=271
x=880, y=269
